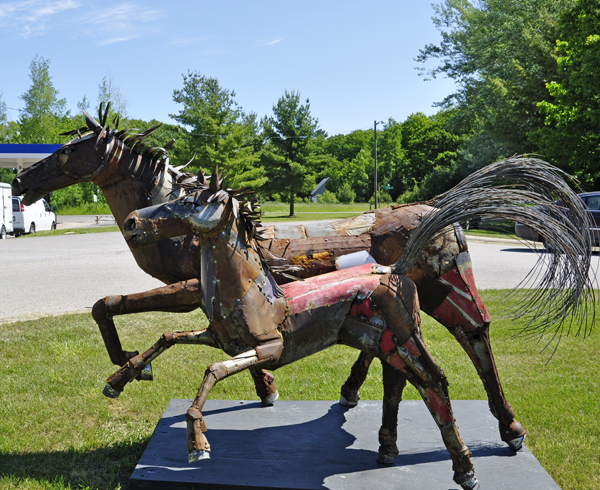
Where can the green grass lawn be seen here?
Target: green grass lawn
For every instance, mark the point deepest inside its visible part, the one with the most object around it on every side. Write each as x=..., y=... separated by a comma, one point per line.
x=57, y=431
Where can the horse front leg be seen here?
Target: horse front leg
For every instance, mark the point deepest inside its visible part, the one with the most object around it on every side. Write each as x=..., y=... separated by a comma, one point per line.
x=197, y=444
x=139, y=363
x=264, y=382
x=179, y=297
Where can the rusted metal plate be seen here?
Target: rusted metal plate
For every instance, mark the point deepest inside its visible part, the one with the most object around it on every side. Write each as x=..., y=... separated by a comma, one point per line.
x=291, y=232
x=319, y=230
x=355, y=225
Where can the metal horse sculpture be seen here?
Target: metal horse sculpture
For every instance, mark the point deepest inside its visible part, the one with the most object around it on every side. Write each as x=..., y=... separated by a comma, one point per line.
x=134, y=176
x=370, y=307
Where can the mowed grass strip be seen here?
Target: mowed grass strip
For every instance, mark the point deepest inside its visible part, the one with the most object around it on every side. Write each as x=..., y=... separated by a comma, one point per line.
x=57, y=431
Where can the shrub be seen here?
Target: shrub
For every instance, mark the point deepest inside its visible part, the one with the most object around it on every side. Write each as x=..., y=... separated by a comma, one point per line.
x=327, y=197
x=345, y=194
x=382, y=198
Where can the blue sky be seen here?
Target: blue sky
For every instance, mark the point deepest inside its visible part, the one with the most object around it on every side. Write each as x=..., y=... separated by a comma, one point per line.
x=354, y=60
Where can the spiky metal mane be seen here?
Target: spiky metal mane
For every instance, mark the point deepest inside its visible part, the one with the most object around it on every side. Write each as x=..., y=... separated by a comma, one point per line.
x=155, y=158
x=243, y=201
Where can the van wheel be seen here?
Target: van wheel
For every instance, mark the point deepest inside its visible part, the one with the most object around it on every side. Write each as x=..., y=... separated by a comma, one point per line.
x=3, y=233
x=32, y=228
x=53, y=226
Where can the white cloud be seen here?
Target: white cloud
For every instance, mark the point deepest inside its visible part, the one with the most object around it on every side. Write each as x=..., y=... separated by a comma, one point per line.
x=128, y=18
x=31, y=17
x=117, y=23
x=269, y=42
x=113, y=40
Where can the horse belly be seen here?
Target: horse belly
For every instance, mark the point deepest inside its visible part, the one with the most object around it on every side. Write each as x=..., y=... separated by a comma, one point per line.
x=318, y=307
x=311, y=331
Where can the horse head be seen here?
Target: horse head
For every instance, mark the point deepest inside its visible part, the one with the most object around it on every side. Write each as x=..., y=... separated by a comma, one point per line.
x=204, y=210
x=79, y=160
x=95, y=155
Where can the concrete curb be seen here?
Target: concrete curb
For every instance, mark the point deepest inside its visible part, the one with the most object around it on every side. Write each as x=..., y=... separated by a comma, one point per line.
x=507, y=241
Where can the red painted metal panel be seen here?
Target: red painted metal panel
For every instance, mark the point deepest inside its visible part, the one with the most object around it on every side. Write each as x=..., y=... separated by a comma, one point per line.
x=332, y=293
x=363, y=308
x=463, y=306
x=297, y=288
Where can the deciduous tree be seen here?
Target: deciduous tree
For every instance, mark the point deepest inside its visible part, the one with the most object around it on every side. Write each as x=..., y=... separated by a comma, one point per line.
x=108, y=90
x=571, y=136
x=500, y=54
x=44, y=116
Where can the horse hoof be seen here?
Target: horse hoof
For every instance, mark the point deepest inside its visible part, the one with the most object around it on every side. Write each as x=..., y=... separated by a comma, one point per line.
x=516, y=444
x=198, y=455
x=110, y=392
x=347, y=403
x=385, y=459
x=146, y=374
x=468, y=482
x=271, y=399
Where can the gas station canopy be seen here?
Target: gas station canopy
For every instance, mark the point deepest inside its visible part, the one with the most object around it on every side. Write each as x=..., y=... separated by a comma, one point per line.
x=22, y=156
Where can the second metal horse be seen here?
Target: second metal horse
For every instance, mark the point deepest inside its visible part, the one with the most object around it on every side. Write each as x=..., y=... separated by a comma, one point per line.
x=369, y=307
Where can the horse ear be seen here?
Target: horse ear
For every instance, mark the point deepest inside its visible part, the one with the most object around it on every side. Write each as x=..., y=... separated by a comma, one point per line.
x=214, y=179
x=105, y=116
x=100, y=112
x=201, y=177
x=91, y=122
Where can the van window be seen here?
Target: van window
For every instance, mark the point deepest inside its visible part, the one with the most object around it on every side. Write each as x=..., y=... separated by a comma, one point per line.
x=593, y=203
x=46, y=206
x=16, y=207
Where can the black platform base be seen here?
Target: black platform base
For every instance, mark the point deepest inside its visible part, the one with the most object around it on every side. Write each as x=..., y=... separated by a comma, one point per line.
x=322, y=445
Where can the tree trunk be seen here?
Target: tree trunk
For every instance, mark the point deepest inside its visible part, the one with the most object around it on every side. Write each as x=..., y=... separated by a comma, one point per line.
x=292, y=204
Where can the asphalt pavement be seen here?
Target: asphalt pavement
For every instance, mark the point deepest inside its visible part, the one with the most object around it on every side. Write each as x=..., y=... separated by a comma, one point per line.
x=69, y=273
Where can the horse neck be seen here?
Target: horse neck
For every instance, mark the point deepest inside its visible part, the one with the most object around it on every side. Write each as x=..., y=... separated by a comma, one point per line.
x=130, y=186
x=237, y=267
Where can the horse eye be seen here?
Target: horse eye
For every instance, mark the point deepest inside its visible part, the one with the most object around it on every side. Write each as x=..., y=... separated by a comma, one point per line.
x=64, y=155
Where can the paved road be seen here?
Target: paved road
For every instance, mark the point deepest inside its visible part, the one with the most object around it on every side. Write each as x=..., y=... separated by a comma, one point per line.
x=56, y=274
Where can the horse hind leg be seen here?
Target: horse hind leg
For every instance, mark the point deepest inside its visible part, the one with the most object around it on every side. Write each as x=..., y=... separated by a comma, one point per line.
x=350, y=392
x=477, y=345
x=463, y=313
x=422, y=371
x=394, y=382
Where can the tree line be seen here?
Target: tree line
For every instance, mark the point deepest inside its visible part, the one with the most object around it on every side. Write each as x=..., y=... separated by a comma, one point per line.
x=527, y=82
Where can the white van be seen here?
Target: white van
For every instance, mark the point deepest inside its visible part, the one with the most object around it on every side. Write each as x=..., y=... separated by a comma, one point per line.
x=6, y=214
x=29, y=219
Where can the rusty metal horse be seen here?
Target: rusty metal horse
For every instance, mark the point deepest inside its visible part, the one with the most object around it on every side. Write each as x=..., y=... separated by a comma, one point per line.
x=370, y=307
